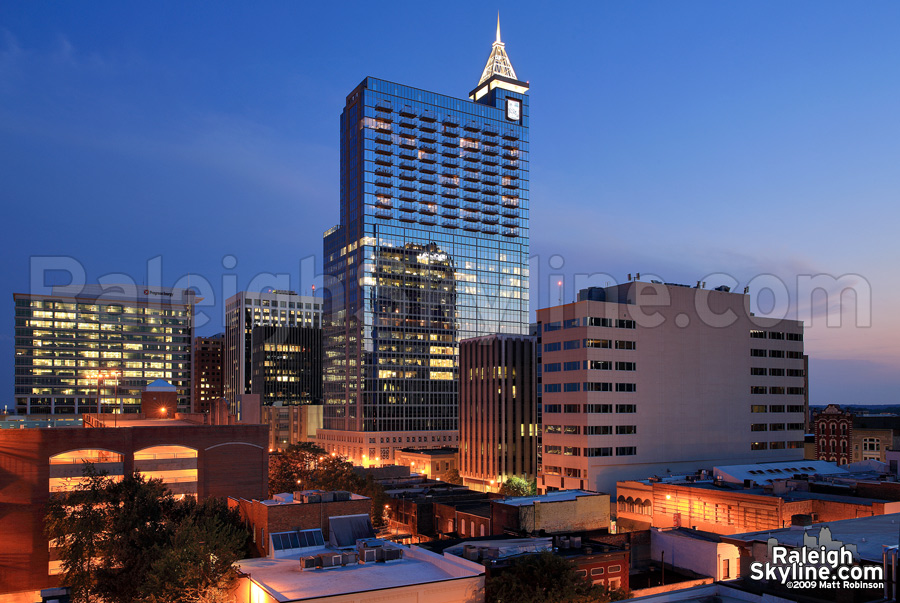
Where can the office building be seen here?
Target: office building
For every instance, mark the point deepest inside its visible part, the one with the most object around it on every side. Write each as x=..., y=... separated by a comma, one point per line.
x=81, y=348
x=498, y=425
x=432, y=248
x=661, y=378
x=273, y=347
x=192, y=459
x=208, y=381
x=291, y=423
x=844, y=437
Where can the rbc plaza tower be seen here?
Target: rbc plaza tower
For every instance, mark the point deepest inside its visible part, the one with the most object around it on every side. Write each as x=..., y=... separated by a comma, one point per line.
x=432, y=248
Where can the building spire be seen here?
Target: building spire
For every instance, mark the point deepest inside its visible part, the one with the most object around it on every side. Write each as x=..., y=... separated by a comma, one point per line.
x=498, y=63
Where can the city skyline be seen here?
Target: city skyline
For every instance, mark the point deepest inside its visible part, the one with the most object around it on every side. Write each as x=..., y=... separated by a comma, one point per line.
x=726, y=140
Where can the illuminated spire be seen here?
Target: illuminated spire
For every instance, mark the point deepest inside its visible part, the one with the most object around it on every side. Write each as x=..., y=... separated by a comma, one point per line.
x=498, y=63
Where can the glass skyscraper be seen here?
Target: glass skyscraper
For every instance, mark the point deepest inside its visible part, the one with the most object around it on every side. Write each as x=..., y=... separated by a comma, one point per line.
x=432, y=248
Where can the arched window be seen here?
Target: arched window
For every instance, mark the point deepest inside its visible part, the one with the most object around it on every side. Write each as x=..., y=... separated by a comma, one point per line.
x=67, y=468
x=462, y=528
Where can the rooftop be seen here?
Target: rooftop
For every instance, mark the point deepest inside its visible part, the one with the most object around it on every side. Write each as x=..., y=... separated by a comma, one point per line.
x=562, y=495
x=761, y=472
x=284, y=580
x=868, y=534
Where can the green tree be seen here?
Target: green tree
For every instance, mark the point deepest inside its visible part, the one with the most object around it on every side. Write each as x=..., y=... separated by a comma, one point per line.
x=516, y=486
x=132, y=540
x=545, y=578
x=453, y=477
x=293, y=469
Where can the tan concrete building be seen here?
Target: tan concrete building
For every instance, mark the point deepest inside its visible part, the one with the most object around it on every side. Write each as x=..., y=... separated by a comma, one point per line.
x=645, y=378
x=291, y=424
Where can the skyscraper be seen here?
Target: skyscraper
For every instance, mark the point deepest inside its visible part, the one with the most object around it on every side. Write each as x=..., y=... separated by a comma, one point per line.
x=432, y=248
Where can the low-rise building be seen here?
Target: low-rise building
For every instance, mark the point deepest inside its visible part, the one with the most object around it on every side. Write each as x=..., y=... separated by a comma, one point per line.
x=190, y=457
x=553, y=513
x=366, y=570
x=435, y=463
x=844, y=437
x=299, y=511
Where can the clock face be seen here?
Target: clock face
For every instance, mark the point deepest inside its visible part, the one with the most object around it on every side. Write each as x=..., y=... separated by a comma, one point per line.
x=513, y=109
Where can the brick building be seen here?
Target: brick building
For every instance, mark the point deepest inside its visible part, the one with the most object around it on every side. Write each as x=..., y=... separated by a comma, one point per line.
x=843, y=437
x=208, y=381
x=724, y=508
x=435, y=463
x=192, y=459
x=308, y=510
x=552, y=513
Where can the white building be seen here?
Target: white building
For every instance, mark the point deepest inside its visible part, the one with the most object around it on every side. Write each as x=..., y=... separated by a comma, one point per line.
x=648, y=379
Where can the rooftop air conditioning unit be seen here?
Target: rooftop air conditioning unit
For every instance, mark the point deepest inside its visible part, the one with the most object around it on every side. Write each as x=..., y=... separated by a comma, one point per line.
x=308, y=563
x=369, y=555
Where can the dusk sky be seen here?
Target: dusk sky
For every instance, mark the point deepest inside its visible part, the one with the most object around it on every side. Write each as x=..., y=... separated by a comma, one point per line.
x=675, y=139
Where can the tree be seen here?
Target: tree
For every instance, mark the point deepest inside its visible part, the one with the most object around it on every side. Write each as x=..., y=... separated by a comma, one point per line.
x=453, y=477
x=293, y=469
x=132, y=540
x=545, y=578
x=516, y=486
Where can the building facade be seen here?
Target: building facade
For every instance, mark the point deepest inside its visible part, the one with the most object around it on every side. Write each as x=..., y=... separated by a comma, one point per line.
x=83, y=347
x=291, y=424
x=192, y=459
x=665, y=378
x=208, y=381
x=432, y=248
x=498, y=424
x=278, y=329
x=843, y=437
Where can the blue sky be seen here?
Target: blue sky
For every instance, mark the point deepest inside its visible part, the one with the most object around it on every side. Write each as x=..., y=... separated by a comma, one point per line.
x=679, y=139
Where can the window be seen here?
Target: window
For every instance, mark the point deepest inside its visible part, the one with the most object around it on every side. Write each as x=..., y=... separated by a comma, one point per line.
x=596, y=386
x=776, y=372
x=755, y=334
x=794, y=355
x=626, y=429
x=551, y=326
x=626, y=387
x=553, y=367
x=626, y=408
x=572, y=345
x=758, y=408
x=571, y=323
x=794, y=426
x=572, y=387
x=759, y=445
x=552, y=347
x=572, y=408
x=626, y=366
x=600, y=365
x=776, y=390
x=553, y=387
x=551, y=470
x=598, y=343
x=581, y=572
x=598, y=408
x=776, y=408
x=552, y=408
x=614, y=569
x=575, y=365
x=760, y=372
x=572, y=429
x=871, y=444
x=599, y=322
x=597, y=571
x=626, y=451
x=625, y=324
x=776, y=335
x=795, y=372
x=552, y=429
x=758, y=353
x=598, y=451
x=795, y=391
x=794, y=336
x=759, y=427
x=571, y=451
x=776, y=353
x=757, y=389
x=776, y=427
x=799, y=408
x=548, y=449
x=726, y=569
x=625, y=345
x=598, y=429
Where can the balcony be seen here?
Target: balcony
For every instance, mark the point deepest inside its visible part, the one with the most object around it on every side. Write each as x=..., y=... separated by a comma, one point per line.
x=452, y=153
x=490, y=182
x=427, y=210
x=492, y=199
x=388, y=182
x=428, y=220
x=490, y=141
x=471, y=176
x=472, y=187
x=450, y=121
x=507, y=223
x=407, y=143
x=384, y=171
x=509, y=201
x=511, y=164
x=510, y=213
x=468, y=206
x=490, y=209
x=472, y=157
x=451, y=143
x=450, y=203
x=406, y=217
x=471, y=226
x=490, y=229
x=490, y=170
x=384, y=214
x=450, y=223
x=510, y=153
x=426, y=136
x=470, y=216
x=428, y=148
x=407, y=177
x=428, y=167
x=450, y=213
x=510, y=134
x=487, y=219
x=408, y=195
x=427, y=158
x=384, y=191
x=384, y=149
x=428, y=178
x=408, y=206
x=490, y=130
x=383, y=159
x=510, y=232
x=449, y=193
x=450, y=161
x=407, y=153
x=511, y=174
x=384, y=106
x=491, y=152
x=473, y=126
x=428, y=190
x=488, y=160
x=383, y=202
x=382, y=138
x=408, y=111
x=472, y=197
x=407, y=122
x=383, y=126
x=451, y=183
x=407, y=165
